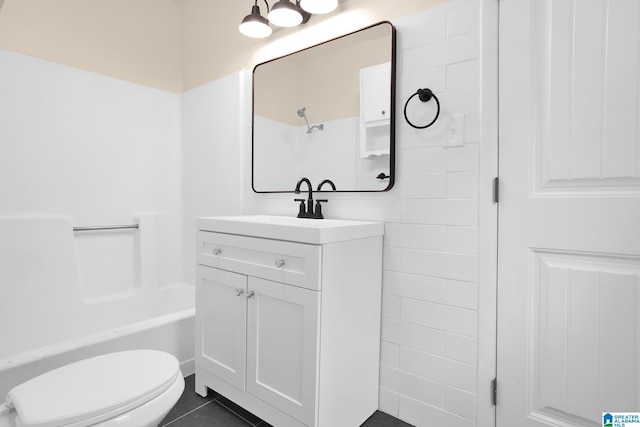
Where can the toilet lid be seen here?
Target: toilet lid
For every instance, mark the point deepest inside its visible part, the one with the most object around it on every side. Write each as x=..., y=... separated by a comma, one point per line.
x=101, y=387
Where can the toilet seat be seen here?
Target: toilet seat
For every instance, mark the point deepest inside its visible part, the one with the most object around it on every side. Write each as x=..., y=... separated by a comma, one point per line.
x=95, y=389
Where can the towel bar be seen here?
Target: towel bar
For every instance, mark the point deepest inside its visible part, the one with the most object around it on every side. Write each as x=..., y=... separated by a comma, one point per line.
x=105, y=227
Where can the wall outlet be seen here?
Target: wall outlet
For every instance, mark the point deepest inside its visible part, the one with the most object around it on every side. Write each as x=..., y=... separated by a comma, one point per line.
x=453, y=131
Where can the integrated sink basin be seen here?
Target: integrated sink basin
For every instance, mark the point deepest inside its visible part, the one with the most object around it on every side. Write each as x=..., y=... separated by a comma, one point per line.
x=304, y=230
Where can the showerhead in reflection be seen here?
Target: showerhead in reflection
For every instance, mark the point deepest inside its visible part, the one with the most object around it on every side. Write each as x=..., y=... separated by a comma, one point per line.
x=302, y=113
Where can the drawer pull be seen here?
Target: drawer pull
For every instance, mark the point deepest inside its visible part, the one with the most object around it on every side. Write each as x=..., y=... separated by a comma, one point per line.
x=239, y=292
x=217, y=251
x=250, y=294
x=279, y=263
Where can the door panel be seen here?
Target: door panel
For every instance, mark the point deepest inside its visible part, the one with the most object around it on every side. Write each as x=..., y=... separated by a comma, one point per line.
x=569, y=212
x=585, y=328
x=282, y=347
x=221, y=324
x=584, y=93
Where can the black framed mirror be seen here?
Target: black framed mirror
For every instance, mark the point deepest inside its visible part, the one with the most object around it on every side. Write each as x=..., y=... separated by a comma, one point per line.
x=327, y=112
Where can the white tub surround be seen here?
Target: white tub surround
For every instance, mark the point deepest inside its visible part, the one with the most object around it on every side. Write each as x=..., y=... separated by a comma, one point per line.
x=288, y=317
x=83, y=149
x=60, y=285
x=70, y=295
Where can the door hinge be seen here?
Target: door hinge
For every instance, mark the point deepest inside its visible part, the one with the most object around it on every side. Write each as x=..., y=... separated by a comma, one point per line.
x=494, y=391
x=496, y=188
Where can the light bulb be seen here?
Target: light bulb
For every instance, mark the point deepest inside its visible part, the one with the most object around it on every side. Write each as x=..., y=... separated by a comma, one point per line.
x=255, y=25
x=319, y=7
x=285, y=14
x=255, y=29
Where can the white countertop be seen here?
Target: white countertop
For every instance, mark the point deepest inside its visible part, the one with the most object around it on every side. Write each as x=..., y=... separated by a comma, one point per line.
x=304, y=230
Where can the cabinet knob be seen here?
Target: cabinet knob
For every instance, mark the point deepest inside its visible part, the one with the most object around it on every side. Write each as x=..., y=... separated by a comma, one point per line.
x=279, y=263
x=250, y=294
x=239, y=292
x=384, y=112
x=217, y=251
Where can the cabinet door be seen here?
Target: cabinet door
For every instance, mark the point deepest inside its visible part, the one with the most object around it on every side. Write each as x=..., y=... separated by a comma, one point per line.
x=282, y=346
x=221, y=322
x=375, y=92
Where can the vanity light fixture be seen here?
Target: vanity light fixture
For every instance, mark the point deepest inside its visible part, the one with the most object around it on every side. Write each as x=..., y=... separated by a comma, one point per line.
x=284, y=13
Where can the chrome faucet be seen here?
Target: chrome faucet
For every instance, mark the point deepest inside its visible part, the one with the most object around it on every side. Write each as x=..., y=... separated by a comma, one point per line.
x=308, y=211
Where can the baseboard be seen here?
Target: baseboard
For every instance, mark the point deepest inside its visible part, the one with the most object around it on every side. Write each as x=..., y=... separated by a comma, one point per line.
x=188, y=367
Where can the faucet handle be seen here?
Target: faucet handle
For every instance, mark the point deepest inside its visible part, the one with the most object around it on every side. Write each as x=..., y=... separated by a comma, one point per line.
x=302, y=210
x=318, y=212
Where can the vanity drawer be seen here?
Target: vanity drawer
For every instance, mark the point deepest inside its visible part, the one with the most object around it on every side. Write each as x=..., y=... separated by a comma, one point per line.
x=287, y=262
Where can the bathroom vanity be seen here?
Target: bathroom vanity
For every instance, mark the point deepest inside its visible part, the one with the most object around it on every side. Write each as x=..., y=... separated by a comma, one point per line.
x=288, y=317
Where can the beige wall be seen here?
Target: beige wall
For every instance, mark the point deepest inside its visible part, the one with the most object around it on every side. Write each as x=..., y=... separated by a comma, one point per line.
x=134, y=40
x=175, y=45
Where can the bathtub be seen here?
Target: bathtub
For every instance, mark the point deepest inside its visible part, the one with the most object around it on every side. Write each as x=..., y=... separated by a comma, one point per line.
x=65, y=297
x=173, y=333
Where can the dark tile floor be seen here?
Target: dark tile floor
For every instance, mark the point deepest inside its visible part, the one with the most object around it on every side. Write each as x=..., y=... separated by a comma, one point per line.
x=216, y=411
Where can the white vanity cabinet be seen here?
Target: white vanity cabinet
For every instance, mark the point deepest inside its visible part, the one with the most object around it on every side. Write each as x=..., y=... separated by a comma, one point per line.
x=290, y=330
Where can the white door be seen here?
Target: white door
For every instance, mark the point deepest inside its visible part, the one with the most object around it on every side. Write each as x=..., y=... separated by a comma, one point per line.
x=221, y=323
x=569, y=211
x=282, y=347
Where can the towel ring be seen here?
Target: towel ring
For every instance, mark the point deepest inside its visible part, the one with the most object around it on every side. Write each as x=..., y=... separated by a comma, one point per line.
x=424, y=95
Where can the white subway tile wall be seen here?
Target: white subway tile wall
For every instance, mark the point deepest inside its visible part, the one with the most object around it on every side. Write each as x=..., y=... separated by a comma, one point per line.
x=430, y=267
x=428, y=374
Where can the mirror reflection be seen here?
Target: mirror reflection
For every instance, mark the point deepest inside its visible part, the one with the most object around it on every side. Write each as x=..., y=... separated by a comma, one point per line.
x=327, y=112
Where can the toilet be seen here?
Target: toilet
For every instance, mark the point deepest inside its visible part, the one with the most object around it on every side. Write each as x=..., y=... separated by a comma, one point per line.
x=127, y=389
